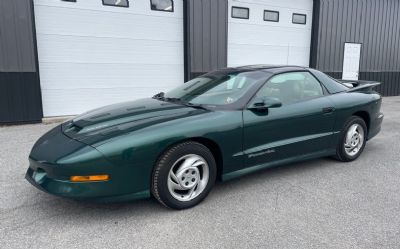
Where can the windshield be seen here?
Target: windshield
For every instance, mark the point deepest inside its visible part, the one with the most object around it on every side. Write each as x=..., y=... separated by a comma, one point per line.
x=216, y=88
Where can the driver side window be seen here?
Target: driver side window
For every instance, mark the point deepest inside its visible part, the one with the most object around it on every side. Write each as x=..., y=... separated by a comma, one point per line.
x=292, y=87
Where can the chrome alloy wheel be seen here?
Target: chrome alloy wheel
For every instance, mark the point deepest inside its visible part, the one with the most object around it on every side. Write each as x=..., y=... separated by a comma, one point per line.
x=188, y=177
x=354, y=139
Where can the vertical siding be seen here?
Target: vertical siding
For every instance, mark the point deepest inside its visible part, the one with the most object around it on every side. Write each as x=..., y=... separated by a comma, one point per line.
x=20, y=97
x=17, y=52
x=373, y=23
x=206, y=36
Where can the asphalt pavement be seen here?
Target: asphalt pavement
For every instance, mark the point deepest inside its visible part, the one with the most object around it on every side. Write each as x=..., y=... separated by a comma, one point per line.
x=314, y=204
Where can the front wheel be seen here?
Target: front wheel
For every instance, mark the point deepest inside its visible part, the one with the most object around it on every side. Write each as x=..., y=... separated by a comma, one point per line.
x=353, y=139
x=184, y=175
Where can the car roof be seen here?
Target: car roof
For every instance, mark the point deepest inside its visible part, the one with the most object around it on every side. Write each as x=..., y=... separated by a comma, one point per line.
x=267, y=68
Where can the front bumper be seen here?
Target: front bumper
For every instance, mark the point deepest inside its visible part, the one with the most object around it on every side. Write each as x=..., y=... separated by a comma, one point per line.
x=41, y=175
x=92, y=191
x=56, y=157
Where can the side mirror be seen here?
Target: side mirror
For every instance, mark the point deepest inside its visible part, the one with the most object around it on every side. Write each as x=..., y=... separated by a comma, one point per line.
x=265, y=103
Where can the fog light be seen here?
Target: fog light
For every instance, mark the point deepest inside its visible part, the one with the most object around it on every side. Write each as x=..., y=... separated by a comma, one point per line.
x=94, y=178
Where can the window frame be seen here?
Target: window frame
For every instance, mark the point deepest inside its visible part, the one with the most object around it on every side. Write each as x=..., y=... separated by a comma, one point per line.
x=271, y=11
x=238, y=7
x=113, y=5
x=172, y=10
x=324, y=90
x=299, y=14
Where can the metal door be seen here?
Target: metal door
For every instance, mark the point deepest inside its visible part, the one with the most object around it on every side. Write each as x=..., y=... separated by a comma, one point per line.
x=351, y=61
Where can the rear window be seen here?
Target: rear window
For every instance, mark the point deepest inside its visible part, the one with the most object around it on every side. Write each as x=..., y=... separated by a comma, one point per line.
x=332, y=85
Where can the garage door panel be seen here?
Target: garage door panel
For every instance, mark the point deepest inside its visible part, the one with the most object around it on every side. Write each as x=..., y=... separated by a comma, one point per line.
x=299, y=56
x=55, y=101
x=291, y=4
x=60, y=48
x=78, y=22
x=250, y=34
x=88, y=75
x=285, y=17
x=137, y=7
x=257, y=55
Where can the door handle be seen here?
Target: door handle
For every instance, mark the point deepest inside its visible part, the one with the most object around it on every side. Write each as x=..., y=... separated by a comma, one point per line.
x=328, y=109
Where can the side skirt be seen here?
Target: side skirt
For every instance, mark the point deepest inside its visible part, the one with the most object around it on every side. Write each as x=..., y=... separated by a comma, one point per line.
x=245, y=171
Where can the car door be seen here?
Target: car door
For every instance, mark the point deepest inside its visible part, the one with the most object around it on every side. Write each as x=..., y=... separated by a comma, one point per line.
x=302, y=126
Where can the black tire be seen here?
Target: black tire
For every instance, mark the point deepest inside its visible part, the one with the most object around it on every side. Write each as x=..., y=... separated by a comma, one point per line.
x=159, y=185
x=341, y=153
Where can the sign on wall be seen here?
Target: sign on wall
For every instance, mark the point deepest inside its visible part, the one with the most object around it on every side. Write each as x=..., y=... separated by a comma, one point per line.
x=351, y=61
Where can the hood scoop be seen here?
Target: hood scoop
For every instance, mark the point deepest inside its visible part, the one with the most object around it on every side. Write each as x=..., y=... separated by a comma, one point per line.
x=71, y=127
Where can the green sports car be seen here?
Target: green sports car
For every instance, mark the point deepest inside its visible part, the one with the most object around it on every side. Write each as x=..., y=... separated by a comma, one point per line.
x=221, y=125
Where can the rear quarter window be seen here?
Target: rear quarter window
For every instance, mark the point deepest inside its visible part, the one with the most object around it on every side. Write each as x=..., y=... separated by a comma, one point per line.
x=330, y=84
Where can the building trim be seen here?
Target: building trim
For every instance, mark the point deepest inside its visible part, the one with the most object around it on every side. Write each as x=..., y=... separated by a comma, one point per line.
x=40, y=100
x=314, y=33
x=186, y=39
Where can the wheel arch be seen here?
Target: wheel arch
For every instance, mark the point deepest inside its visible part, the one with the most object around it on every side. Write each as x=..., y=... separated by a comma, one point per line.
x=209, y=143
x=215, y=150
x=365, y=116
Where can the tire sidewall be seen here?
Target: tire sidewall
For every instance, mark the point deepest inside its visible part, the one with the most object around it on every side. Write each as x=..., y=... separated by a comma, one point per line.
x=341, y=149
x=165, y=164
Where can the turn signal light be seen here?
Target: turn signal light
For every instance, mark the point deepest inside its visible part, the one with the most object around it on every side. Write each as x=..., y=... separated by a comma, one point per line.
x=94, y=178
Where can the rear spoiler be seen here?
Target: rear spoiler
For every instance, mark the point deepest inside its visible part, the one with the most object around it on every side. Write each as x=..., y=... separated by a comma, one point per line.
x=357, y=85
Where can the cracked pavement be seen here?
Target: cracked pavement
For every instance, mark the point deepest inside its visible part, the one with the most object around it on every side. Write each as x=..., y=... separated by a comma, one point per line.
x=314, y=204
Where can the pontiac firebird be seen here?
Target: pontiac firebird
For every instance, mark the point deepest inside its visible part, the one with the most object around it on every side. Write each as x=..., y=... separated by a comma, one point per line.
x=221, y=125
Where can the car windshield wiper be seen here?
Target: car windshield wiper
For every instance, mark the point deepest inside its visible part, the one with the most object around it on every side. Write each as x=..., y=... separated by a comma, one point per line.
x=173, y=99
x=160, y=96
x=198, y=106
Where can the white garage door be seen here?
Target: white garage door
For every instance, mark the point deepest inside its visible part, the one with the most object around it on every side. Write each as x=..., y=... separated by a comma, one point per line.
x=92, y=55
x=276, y=32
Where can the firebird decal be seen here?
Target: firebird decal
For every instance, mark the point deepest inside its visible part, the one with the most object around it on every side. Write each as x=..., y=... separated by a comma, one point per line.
x=262, y=153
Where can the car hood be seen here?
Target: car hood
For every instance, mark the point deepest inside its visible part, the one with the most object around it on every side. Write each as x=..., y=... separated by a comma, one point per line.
x=114, y=120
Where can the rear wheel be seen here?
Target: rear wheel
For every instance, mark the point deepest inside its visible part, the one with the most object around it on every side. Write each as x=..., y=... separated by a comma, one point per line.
x=353, y=139
x=184, y=175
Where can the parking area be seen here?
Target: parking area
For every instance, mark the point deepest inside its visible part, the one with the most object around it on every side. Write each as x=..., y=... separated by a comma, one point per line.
x=314, y=204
